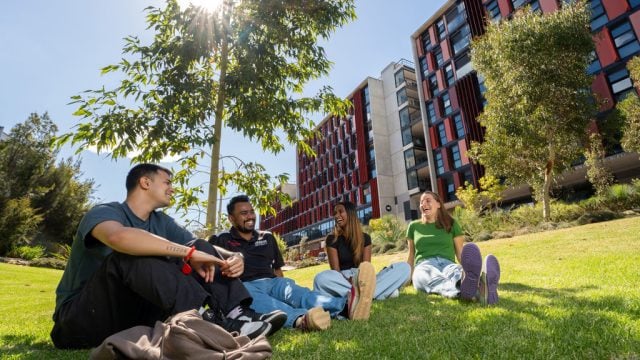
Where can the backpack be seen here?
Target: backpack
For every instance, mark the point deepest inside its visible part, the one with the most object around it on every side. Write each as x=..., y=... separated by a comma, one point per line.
x=182, y=336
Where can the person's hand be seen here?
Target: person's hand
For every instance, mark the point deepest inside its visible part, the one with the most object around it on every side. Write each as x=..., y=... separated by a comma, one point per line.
x=204, y=264
x=233, y=267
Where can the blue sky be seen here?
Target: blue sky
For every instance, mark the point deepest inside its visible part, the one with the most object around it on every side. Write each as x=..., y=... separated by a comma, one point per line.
x=52, y=50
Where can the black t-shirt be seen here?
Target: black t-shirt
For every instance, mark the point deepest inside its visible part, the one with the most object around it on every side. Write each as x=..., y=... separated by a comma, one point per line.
x=345, y=256
x=261, y=253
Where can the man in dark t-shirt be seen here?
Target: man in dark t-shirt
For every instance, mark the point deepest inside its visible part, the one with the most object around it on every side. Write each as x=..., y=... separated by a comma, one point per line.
x=132, y=265
x=263, y=277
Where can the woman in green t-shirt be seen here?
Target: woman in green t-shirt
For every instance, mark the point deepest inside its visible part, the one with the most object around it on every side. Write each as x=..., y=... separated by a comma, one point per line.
x=435, y=241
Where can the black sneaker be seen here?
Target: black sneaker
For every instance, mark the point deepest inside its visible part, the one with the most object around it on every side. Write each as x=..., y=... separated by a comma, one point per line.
x=250, y=329
x=276, y=318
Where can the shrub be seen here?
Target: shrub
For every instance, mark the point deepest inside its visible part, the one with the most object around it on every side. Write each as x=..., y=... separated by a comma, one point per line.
x=18, y=224
x=49, y=263
x=597, y=216
x=27, y=252
x=561, y=212
x=387, y=230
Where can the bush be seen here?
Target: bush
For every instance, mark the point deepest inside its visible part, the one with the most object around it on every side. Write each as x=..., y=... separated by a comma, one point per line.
x=27, y=252
x=387, y=230
x=561, y=212
x=18, y=224
x=597, y=216
x=49, y=263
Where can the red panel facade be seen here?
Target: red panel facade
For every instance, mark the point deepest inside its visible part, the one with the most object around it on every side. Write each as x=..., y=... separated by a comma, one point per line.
x=362, y=154
x=440, y=78
x=425, y=90
x=634, y=19
x=548, y=6
x=601, y=88
x=605, y=48
x=448, y=128
x=433, y=137
x=462, y=144
x=615, y=8
x=419, y=46
x=446, y=51
x=375, y=201
x=505, y=7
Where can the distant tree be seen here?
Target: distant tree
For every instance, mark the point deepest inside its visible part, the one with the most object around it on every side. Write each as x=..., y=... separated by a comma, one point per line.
x=44, y=190
x=630, y=109
x=538, y=103
x=490, y=192
x=599, y=176
x=244, y=68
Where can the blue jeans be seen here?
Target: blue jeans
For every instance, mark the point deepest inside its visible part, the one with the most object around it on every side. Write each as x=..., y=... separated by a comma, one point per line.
x=389, y=279
x=284, y=294
x=437, y=276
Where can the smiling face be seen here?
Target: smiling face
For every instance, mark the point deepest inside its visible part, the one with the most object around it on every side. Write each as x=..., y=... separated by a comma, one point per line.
x=340, y=215
x=159, y=187
x=243, y=217
x=429, y=207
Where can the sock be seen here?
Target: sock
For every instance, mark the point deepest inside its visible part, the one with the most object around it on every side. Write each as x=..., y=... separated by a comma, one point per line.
x=235, y=312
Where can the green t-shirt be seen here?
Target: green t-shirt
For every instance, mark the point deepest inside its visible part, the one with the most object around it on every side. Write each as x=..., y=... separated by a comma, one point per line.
x=430, y=241
x=87, y=252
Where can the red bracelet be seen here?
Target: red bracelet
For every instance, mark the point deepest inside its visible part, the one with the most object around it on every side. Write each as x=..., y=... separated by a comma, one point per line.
x=186, y=268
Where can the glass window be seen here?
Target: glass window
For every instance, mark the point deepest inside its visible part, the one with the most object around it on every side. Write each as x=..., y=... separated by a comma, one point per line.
x=463, y=66
x=598, y=15
x=431, y=112
x=438, y=55
x=426, y=41
x=457, y=120
x=456, y=17
x=424, y=67
x=409, y=159
x=493, y=11
x=460, y=40
x=634, y=3
x=406, y=136
x=451, y=190
x=399, y=77
x=402, y=96
x=455, y=155
x=441, y=29
x=620, y=82
x=483, y=89
x=442, y=133
x=535, y=6
x=517, y=3
x=594, y=63
x=433, y=85
x=439, y=163
x=625, y=39
x=404, y=117
x=448, y=73
x=446, y=103
x=412, y=179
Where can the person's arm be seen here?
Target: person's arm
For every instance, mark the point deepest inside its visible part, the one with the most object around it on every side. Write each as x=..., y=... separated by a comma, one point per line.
x=138, y=242
x=234, y=261
x=332, y=255
x=458, y=243
x=366, y=254
x=411, y=257
x=278, y=272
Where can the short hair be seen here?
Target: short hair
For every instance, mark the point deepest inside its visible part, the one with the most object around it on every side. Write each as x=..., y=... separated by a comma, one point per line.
x=141, y=170
x=234, y=200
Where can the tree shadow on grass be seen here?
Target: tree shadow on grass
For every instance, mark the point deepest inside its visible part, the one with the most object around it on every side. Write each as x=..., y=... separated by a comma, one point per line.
x=31, y=347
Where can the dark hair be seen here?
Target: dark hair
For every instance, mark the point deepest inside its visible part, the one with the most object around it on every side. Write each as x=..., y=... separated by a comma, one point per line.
x=234, y=200
x=352, y=231
x=141, y=170
x=443, y=218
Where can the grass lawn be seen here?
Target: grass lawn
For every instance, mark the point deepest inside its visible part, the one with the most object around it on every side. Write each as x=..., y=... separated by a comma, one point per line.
x=570, y=293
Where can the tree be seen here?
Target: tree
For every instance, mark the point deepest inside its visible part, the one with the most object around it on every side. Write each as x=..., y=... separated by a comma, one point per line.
x=474, y=199
x=50, y=197
x=597, y=173
x=244, y=67
x=630, y=109
x=538, y=104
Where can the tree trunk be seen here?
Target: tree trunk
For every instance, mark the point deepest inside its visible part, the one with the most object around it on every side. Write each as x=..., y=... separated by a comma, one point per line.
x=546, y=187
x=218, y=114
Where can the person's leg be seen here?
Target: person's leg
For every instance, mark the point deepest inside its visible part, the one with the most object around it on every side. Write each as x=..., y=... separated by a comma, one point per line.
x=428, y=276
x=453, y=272
x=391, y=278
x=286, y=290
x=263, y=302
x=125, y=291
x=333, y=283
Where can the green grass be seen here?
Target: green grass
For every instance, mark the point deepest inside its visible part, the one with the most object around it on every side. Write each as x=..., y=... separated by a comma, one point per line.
x=570, y=293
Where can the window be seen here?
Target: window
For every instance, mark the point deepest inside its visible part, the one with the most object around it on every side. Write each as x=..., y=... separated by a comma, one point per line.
x=409, y=159
x=412, y=179
x=634, y=3
x=456, y=17
x=399, y=77
x=625, y=39
x=402, y=96
x=433, y=85
x=535, y=6
x=424, y=67
x=598, y=15
x=463, y=66
x=620, y=82
x=451, y=190
x=457, y=120
x=426, y=41
x=594, y=64
x=431, y=112
x=438, y=55
x=455, y=155
x=439, y=163
x=517, y=3
x=404, y=117
x=448, y=73
x=441, y=29
x=493, y=10
x=406, y=136
x=446, y=103
x=483, y=89
x=442, y=133
x=460, y=40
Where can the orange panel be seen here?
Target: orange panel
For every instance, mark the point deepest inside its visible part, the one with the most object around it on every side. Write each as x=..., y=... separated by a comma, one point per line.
x=505, y=7
x=615, y=8
x=634, y=19
x=419, y=46
x=462, y=144
x=601, y=89
x=440, y=78
x=446, y=52
x=548, y=6
x=605, y=48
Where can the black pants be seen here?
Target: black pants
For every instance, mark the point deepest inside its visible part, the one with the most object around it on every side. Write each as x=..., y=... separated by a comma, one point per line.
x=127, y=291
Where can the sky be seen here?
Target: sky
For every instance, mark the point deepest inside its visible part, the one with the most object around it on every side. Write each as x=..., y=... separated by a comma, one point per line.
x=52, y=50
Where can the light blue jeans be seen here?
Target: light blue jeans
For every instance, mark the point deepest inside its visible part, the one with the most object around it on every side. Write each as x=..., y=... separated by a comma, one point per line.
x=284, y=294
x=389, y=279
x=437, y=276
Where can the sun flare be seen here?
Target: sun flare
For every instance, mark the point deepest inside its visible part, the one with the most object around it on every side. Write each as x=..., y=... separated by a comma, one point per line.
x=208, y=5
